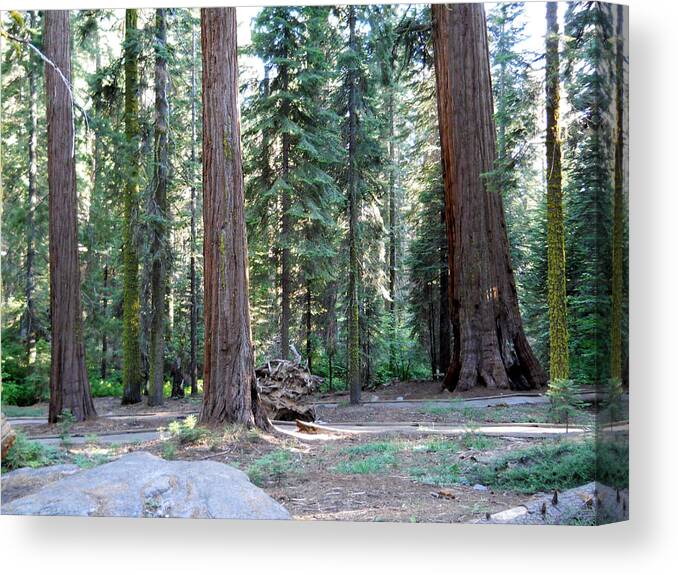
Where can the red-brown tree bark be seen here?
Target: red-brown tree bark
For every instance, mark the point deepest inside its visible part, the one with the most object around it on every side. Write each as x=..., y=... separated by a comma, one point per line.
x=230, y=392
x=489, y=344
x=69, y=386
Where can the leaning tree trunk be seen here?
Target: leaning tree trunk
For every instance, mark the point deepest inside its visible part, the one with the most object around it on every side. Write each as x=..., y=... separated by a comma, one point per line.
x=159, y=214
x=230, y=391
x=131, y=348
x=68, y=384
x=555, y=226
x=489, y=345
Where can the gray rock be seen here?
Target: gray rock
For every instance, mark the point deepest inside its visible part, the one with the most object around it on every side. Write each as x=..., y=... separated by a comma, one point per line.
x=143, y=485
x=25, y=481
x=479, y=487
x=590, y=504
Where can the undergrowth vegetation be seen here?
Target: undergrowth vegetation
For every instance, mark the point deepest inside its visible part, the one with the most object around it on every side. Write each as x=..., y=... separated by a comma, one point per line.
x=27, y=453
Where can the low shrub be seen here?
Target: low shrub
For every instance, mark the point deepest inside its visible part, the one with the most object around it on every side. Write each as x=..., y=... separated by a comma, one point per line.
x=272, y=466
x=186, y=431
x=27, y=453
x=19, y=394
x=106, y=387
x=552, y=465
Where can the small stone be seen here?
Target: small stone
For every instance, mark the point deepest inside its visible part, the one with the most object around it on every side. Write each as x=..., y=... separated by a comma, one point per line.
x=479, y=487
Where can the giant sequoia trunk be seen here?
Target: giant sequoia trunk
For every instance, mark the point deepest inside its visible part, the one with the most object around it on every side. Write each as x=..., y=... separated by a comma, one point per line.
x=555, y=225
x=68, y=385
x=618, y=211
x=489, y=344
x=131, y=349
x=158, y=213
x=230, y=391
x=444, y=319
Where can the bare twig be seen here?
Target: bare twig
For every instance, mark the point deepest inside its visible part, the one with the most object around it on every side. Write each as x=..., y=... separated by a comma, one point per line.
x=56, y=68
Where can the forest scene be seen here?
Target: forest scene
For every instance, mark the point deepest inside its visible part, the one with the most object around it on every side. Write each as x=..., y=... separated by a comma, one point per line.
x=353, y=262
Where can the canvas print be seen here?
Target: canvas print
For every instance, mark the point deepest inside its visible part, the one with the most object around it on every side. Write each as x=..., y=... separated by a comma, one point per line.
x=337, y=262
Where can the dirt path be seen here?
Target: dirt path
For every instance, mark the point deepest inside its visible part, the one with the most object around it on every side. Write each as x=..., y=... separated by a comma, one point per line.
x=341, y=430
x=184, y=410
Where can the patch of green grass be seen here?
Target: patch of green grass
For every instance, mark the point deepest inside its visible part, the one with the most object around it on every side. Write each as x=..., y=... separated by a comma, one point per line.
x=553, y=465
x=472, y=440
x=87, y=461
x=375, y=447
x=434, y=409
x=27, y=453
x=371, y=464
x=439, y=475
x=273, y=466
x=439, y=444
x=16, y=411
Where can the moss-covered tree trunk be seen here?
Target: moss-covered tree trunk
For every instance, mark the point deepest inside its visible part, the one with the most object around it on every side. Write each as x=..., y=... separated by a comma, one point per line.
x=159, y=213
x=616, y=359
x=131, y=351
x=555, y=226
x=230, y=391
x=68, y=384
x=490, y=348
x=353, y=312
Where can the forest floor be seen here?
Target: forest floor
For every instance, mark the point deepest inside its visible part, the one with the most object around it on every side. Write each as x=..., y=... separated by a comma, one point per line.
x=354, y=477
x=114, y=417
x=416, y=389
x=412, y=475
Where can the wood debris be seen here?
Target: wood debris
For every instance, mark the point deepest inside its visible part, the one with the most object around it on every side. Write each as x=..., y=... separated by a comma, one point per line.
x=8, y=435
x=283, y=386
x=444, y=494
